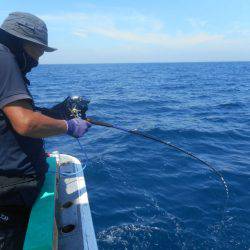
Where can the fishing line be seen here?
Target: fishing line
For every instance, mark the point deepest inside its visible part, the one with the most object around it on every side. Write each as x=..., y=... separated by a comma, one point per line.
x=154, y=138
x=83, y=166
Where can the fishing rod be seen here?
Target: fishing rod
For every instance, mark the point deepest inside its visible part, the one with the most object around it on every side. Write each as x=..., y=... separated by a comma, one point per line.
x=157, y=139
x=77, y=106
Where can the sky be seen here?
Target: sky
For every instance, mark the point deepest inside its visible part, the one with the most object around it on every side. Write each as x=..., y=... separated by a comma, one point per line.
x=115, y=31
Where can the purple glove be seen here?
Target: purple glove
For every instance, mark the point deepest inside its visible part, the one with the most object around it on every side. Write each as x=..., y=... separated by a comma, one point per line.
x=77, y=127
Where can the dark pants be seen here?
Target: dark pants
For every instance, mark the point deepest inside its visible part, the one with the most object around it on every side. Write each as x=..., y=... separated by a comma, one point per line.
x=17, y=196
x=13, y=225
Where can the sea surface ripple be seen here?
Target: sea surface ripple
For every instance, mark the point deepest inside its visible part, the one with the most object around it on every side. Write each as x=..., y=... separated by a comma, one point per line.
x=144, y=195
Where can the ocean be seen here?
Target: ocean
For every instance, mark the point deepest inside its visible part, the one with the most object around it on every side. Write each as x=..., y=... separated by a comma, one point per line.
x=144, y=195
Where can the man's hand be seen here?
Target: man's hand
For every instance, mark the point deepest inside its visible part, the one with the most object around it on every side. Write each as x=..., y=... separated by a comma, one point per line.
x=77, y=127
x=26, y=122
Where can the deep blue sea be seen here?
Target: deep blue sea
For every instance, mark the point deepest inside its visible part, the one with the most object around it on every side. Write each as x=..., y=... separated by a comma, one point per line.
x=144, y=195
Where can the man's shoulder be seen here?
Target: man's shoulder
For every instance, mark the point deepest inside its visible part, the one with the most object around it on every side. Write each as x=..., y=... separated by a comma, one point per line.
x=7, y=60
x=5, y=53
x=4, y=48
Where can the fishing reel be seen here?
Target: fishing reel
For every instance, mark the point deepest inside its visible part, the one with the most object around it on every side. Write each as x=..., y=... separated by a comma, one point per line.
x=71, y=107
x=76, y=107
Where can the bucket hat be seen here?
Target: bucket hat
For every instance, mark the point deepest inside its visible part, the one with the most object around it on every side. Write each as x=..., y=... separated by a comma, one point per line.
x=27, y=27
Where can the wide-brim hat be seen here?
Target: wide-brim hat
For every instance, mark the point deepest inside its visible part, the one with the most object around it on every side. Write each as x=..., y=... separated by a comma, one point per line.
x=27, y=27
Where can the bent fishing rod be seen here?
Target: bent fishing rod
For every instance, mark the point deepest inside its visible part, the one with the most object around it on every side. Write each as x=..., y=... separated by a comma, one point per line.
x=77, y=107
x=154, y=138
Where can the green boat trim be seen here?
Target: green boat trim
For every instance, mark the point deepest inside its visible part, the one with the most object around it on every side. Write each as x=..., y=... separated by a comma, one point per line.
x=40, y=232
x=61, y=217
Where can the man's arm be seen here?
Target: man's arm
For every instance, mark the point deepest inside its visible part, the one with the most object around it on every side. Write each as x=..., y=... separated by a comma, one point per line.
x=27, y=122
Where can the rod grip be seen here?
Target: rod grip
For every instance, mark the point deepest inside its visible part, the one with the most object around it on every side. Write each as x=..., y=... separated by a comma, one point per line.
x=99, y=123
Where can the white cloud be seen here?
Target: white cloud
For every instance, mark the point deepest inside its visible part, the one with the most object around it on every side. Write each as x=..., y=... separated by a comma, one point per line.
x=144, y=30
x=65, y=17
x=154, y=38
x=80, y=33
x=239, y=29
x=197, y=23
x=143, y=38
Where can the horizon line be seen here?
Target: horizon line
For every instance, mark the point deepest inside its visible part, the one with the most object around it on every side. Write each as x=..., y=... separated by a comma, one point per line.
x=219, y=61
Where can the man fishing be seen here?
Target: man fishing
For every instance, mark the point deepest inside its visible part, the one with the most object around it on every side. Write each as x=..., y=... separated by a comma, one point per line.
x=23, y=40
